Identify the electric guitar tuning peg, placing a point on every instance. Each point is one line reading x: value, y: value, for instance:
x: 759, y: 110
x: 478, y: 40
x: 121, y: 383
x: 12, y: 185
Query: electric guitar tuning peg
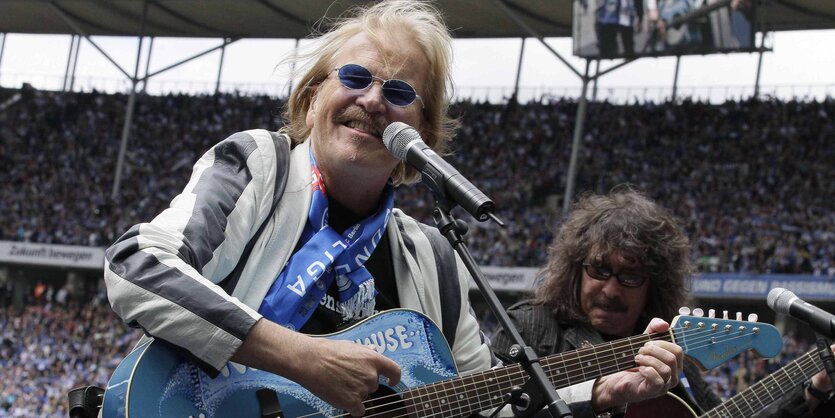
x: 684, y: 311
x: 698, y: 312
x: 739, y: 316
x: 753, y: 317
x: 725, y: 315
x: 711, y: 313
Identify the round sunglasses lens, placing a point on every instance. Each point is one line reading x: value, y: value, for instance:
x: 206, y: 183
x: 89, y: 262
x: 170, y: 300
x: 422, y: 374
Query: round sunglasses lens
x: 354, y: 76
x: 596, y: 273
x: 399, y: 92
x: 631, y: 280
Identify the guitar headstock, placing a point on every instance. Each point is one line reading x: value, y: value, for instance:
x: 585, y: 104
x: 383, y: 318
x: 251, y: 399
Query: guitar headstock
x: 712, y: 341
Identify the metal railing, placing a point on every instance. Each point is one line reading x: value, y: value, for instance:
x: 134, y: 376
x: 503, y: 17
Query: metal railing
x: 493, y: 94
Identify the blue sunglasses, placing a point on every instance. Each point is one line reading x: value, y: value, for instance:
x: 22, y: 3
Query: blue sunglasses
x: 396, y: 92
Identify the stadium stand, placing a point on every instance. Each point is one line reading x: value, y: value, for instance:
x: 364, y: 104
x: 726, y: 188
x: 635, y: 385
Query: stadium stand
x: 750, y: 179
x: 53, y: 344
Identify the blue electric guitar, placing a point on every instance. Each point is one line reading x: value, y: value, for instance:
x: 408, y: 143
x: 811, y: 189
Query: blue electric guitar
x: 156, y: 380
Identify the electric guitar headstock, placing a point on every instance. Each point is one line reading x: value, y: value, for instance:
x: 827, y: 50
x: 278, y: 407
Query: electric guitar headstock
x: 711, y: 341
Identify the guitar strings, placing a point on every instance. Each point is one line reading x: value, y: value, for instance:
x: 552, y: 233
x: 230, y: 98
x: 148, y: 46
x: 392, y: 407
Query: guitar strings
x: 694, y: 339
x: 519, y: 373
x: 807, y: 365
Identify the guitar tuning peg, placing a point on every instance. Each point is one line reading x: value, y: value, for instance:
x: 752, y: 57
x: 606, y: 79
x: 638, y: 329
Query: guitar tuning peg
x: 724, y: 314
x: 698, y: 312
x: 739, y: 316
x: 684, y: 310
x: 711, y: 313
x: 752, y: 317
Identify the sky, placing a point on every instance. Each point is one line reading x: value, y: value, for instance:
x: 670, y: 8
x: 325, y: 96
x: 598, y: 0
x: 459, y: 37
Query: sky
x: 802, y: 63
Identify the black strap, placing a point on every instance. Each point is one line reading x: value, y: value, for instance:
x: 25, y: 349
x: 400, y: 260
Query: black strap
x: 282, y: 162
x: 817, y: 393
x: 450, y: 292
x: 85, y: 401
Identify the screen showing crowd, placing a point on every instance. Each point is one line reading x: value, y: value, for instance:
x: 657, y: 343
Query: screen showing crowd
x: 606, y: 29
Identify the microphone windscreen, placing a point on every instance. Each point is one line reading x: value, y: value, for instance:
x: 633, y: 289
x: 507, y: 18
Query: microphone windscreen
x: 397, y: 136
x: 780, y: 299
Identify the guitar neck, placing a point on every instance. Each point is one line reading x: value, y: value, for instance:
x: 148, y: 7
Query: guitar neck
x: 485, y: 390
x: 769, y: 389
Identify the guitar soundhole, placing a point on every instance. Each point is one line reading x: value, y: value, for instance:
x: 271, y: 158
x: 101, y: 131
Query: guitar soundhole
x: 384, y: 403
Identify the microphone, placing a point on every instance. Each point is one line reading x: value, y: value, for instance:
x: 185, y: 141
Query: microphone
x: 786, y: 302
x: 404, y: 142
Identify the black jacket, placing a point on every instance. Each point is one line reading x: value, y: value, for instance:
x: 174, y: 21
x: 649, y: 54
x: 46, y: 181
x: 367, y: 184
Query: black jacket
x: 546, y: 335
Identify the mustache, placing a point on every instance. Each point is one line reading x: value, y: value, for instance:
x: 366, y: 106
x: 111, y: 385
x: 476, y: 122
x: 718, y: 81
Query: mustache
x: 609, y: 305
x: 357, y: 113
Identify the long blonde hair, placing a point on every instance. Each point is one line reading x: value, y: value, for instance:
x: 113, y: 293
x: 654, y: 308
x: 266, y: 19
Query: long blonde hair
x: 424, y: 25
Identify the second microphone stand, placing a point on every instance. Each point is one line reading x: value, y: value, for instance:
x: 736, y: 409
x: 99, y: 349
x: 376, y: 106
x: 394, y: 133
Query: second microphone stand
x: 453, y: 230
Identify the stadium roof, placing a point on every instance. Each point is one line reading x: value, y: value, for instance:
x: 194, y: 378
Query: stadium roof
x: 296, y: 18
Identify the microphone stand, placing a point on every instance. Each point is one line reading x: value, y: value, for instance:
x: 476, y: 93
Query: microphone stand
x: 453, y: 229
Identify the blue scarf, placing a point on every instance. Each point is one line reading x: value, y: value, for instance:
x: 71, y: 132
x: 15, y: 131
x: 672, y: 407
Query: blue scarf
x: 324, y: 257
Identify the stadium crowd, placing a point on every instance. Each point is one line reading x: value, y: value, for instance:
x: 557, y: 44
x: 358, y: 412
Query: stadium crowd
x: 751, y: 180
x: 54, y: 343
x: 57, y: 342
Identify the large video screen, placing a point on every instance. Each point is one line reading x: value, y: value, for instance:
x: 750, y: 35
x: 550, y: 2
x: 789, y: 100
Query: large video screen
x: 605, y: 29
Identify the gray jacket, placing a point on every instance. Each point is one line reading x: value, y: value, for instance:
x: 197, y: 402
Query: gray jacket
x: 166, y: 275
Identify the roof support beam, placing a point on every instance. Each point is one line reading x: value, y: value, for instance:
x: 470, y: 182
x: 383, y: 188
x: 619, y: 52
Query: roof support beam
x: 579, y: 122
x: 72, y: 63
x: 2, y: 47
x: 69, y: 21
x: 226, y: 41
x: 759, y: 66
x: 129, y: 111
x: 536, y: 35
x: 147, y: 64
x: 675, y: 80
x: 220, y: 66
x: 134, y: 79
x: 518, y: 71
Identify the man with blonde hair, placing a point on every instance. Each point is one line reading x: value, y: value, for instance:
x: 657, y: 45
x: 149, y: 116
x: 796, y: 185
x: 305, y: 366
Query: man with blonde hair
x: 279, y: 235
x: 190, y: 276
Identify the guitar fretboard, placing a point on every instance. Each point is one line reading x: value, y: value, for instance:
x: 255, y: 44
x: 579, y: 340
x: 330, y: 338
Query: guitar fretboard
x: 769, y: 389
x: 485, y: 390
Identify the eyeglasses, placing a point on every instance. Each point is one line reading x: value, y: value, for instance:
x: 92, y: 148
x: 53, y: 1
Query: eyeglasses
x: 626, y: 279
x: 396, y: 92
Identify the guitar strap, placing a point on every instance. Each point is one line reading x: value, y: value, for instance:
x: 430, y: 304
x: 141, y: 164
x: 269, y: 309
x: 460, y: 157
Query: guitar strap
x: 450, y: 292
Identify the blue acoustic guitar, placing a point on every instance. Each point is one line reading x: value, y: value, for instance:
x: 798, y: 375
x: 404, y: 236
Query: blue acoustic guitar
x: 156, y: 380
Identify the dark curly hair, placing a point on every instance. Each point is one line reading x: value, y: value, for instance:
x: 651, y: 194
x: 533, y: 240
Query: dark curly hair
x: 627, y: 222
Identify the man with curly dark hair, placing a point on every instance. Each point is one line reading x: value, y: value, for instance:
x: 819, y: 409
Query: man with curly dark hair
x: 617, y: 261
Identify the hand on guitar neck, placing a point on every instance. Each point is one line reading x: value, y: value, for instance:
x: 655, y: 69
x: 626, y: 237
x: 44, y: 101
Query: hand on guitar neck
x: 659, y: 364
x: 821, y: 383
